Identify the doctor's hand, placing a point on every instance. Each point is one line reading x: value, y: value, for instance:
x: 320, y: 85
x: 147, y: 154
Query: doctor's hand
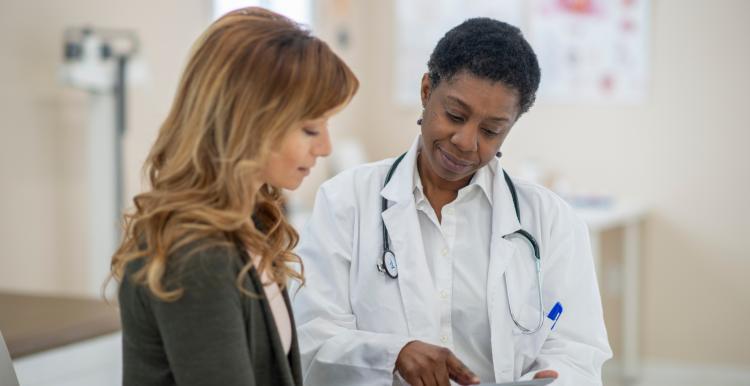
x: 423, y: 364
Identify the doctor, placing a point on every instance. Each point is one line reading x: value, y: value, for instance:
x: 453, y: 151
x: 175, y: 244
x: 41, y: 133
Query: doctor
x: 428, y: 267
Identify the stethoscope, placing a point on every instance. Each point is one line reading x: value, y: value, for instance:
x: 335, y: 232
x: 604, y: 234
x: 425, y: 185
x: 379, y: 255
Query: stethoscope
x: 389, y: 266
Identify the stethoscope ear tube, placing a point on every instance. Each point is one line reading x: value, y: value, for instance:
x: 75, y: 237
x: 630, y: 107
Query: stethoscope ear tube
x: 538, y: 265
x: 531, y: 240
x: 524, y: 330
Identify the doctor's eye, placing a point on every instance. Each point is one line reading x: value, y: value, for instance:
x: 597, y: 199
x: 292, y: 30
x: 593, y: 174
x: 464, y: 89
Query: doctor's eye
x: 454, y: 118
x: 491, y: 133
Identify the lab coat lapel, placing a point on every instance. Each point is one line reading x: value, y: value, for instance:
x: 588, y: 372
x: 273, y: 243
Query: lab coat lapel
x: 504, y: 222
x: 414, y: 278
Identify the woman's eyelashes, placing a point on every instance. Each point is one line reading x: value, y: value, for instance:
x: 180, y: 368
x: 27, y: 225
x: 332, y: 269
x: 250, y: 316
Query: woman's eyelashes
x: 311, y: 131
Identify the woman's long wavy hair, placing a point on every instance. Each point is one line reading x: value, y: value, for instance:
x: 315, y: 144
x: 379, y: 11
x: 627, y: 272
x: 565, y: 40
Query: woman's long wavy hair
x: 251, y: 77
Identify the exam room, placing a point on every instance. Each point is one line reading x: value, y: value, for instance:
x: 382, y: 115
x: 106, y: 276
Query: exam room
x: 641, y: 129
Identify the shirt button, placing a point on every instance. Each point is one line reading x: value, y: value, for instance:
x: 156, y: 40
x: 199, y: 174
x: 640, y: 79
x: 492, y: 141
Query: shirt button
x: 444, y: 339
x: 444, y: 252
x: 444, y: 294
x: 449, y: 210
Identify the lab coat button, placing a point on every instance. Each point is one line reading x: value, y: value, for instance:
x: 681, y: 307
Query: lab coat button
x: 444, y: 294
x: 444, y: 251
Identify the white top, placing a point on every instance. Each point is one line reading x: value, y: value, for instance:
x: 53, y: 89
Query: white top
x: 278, y: 307
x: 353, y: 320
x: 458, y: 254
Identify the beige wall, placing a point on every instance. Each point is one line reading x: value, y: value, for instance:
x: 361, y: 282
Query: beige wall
x: 682, y: 151
x: 43, y: 236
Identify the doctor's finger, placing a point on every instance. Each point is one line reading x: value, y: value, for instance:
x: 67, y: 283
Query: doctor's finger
x: 415, y: 382
x: 442, y: 378
x: 428, y: 380
x: 546, y: 374
x: 460, y: 373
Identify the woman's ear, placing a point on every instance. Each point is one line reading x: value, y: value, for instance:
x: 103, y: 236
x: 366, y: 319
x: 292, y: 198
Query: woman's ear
x: 425, y: 89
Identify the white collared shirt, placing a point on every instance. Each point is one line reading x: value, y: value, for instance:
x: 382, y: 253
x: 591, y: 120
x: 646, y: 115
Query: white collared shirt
x: 458, y: 253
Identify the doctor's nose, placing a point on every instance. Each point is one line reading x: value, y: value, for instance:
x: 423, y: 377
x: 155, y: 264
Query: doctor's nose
x: 465, y: 139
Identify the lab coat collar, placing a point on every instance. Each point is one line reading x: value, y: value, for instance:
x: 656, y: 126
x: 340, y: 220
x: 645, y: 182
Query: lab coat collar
x: 484, y: 178
x: 401, y: 186
x: 504, y: 220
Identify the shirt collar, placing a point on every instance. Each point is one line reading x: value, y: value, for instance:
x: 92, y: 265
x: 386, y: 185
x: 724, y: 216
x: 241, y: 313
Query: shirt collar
x: 483, y: 178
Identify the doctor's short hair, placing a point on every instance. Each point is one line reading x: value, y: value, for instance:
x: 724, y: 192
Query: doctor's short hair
x: 489, y: 49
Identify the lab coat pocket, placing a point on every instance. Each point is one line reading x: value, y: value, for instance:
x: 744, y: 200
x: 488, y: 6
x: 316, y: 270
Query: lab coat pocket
x: 528, y: 346
x: 528, y: 317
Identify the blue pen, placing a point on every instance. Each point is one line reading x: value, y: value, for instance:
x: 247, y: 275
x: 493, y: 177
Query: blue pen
x: 554, y: 314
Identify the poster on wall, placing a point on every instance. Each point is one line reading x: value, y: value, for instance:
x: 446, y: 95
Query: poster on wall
x: 591, y: 51
x: 421, y: 24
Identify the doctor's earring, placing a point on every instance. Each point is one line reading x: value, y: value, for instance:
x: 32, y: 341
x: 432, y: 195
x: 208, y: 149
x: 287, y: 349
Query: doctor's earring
x: 419, y: 121
x: 499, y: 154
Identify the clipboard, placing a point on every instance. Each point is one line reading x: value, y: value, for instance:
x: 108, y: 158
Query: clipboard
x: 533, y: 382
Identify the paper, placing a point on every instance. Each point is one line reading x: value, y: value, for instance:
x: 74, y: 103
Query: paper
x: 592, y: 50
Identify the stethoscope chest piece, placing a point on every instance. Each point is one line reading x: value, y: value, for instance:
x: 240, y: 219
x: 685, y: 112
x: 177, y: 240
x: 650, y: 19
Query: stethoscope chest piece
x: 391, y: 266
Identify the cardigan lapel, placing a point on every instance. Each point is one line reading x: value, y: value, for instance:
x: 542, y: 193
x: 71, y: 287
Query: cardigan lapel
x: 280, y: 357
x: 294, y: 356
x: 290, y: 366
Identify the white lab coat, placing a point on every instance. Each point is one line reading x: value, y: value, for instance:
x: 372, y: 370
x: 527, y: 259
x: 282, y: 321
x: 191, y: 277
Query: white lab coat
x: 353, y: 320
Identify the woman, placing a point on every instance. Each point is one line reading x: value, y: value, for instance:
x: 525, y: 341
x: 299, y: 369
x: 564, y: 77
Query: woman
x: 206, y: 256
x: 423, y: 268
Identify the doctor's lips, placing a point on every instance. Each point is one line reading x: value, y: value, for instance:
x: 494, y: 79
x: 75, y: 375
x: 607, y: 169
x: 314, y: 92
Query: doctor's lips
x: 453, y: 163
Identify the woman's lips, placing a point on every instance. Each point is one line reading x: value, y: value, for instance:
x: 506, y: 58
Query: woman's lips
x: 453, y: 164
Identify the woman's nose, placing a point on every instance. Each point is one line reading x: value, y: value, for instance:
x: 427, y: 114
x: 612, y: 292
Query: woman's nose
x: 323, y: 148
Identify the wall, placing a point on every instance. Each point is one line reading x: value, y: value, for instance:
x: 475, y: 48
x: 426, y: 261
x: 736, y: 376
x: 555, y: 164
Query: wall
x: 43, y: 240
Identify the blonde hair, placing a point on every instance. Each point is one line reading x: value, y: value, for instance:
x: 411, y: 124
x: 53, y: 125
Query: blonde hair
x: 250, y: 78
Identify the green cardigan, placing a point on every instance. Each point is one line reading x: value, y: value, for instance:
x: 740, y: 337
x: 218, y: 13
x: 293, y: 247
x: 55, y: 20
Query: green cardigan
x: 212, y: 335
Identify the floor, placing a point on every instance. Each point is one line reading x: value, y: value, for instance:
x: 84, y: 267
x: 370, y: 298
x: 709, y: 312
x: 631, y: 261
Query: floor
x: 679, y: 374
